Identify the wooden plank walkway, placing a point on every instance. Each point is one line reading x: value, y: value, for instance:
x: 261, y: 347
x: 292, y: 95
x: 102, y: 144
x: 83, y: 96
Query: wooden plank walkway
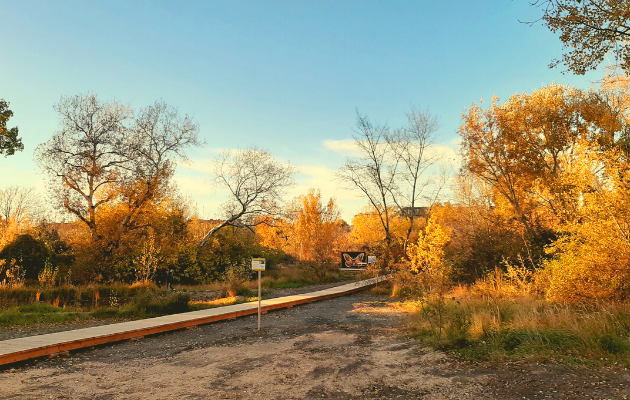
x: 21, y: 349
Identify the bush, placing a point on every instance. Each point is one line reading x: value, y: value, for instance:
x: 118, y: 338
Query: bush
x: 30, y: 253
x: 150, y: 304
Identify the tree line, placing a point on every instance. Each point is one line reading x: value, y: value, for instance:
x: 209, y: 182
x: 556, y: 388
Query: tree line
x: 543, y: 190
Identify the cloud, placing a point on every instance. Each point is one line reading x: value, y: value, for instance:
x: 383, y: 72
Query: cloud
x: 322, y: 178
x: 445, y: 153
x: 344, y: 146
x: 448, y: 151
x: 194, y: 179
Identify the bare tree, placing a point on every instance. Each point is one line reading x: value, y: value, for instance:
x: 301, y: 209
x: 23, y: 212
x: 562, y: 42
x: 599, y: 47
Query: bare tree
x: 158, y: 136
x: 256, y: 182
x: 16, y: 203
x: 410, y: 145
x: 374, y: 172
x: 390, y: 170
x: 84, y: 157
x: 101, y: 155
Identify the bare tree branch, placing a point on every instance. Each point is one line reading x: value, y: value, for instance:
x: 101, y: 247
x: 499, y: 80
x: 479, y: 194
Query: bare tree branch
x: 257, y: 184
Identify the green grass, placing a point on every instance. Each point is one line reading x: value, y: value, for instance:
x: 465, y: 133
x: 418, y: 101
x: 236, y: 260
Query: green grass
x: 37, y: 314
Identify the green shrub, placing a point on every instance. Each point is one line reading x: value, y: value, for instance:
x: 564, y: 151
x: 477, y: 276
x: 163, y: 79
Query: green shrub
x: 614, y: 344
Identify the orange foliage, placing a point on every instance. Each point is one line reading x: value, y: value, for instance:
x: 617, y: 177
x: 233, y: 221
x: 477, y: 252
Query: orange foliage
x: 367, y: 230
x: 311, y: 231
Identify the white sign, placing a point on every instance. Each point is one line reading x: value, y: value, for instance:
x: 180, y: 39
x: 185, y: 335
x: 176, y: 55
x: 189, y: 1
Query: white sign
x: 258, y: 264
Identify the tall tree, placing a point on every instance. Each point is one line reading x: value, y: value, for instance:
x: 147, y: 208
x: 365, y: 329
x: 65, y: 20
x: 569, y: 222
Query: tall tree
x: 522, y: 147
x: 374, y: 173
x: 411, y: 145
x: 591, y: 29
x: 102, y: 155
x: 390, y: 170
x: 316, y: 227
x: 158, y: 136
x: 256, y: 183
x: 9, y: 141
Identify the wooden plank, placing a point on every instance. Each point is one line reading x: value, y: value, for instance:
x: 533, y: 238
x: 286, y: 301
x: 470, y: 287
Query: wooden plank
x: 21, y: 349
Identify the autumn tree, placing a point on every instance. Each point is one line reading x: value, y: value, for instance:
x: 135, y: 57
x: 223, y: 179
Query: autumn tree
x: 482, y: 238
x: 166, y: 224
x: 158, y: 137
x: 9, y: 140
x: 256, y: 183
x: 521, y: 147
x: 591, y: 259
x: 367, y: 232
x: 311, y: 230
x: 591, y: 29
x: 102, y: 155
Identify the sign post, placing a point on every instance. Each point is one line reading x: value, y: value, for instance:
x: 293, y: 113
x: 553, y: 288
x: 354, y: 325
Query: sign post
x: 258, y: 264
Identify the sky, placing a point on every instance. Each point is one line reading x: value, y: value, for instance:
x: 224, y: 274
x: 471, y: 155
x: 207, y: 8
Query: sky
x: 285, y: 76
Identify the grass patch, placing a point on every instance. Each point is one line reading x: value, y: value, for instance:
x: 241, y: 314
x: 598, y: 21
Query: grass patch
x: 144, y: 305
x: 526, y: 328
x: 36, y: 305
x: 298, y: 276
x: 38, y: 314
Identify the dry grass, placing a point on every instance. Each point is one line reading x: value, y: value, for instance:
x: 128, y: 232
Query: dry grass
x: 482, y: 327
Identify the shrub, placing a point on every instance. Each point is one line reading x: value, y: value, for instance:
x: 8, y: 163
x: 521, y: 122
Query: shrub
x: 30, y: 253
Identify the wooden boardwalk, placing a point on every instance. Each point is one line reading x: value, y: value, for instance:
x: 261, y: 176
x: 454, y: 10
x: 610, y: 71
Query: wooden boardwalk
x: 21, y: 349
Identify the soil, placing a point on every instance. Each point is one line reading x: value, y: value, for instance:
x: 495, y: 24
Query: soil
x: 349, y: 347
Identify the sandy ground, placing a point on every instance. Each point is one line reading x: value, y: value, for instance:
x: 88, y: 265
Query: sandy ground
x: 343, y: 348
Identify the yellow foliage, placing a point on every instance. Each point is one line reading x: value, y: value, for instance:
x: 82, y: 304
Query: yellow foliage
x: 147, y: 261
x: 515, y: 281
x: 427, y: 259
x: 367, y: 229
x: 48, y: 275
x: 591, y: 259
x: 312, y: 231
x: 428, y: 254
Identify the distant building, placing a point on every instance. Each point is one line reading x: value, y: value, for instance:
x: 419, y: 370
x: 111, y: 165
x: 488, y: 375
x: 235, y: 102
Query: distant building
x: 421, y: 212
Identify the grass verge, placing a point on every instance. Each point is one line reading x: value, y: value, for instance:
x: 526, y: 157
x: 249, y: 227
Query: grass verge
x: 145, y: 305
x: 525, y: 328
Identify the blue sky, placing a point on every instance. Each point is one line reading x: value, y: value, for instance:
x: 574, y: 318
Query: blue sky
x: 287, y: 76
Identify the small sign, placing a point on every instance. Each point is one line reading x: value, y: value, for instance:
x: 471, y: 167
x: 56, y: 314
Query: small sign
x: 258, y: 264
x: 371, y: 260
x: 353, y: 259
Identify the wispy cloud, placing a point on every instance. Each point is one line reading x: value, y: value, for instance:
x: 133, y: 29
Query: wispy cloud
x: 194, y: 179
x: 346, y: 146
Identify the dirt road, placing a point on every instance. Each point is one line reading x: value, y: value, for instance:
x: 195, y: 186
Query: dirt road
x: 343, y: 348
